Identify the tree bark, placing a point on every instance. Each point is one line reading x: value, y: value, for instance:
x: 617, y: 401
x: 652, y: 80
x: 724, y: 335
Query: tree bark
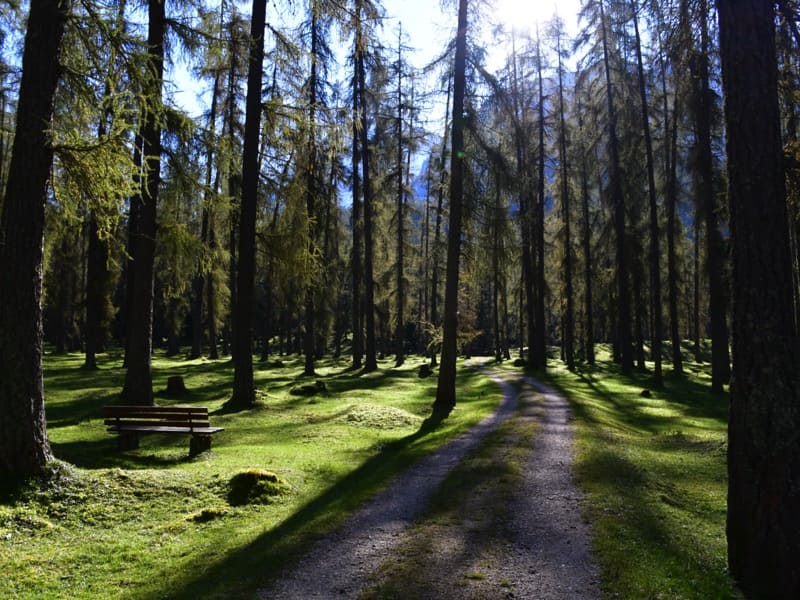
x: 244, y: 393
x: 97, y: 293
x: 370, y: 359
x: 24, y: 448
x: 199, y: 282
x: 526, y: 208
x: 654, y: 252
x: 586, y: 243
x: 446, y: 385
x: 138, y: 377
x: 401, y: 197
x: 569, y: 309
x: 312, y: 189
x: 715, y: 263
x: 356, y: 221
x: 539, y: 347
x: 671, y: 152
x: 98, y: 277
x: 618, y: 202
x: 764, y: 427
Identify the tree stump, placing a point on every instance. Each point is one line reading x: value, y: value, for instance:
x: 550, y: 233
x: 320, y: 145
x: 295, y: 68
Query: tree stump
x: 176, y: 386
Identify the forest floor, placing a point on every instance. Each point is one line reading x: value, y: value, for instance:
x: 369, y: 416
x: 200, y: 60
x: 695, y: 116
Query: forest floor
x: 495, y: 513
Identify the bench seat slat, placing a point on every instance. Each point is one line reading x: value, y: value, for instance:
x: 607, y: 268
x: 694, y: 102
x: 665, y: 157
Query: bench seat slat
x: 156, y: 422
x: 159, y: 417
x: 124, y: 411
x: 163, y: 429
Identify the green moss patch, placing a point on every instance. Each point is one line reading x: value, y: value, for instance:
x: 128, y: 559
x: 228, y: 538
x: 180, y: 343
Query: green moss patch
x: 207, y: 514
x: 256, y: 486
x: 377, y: 416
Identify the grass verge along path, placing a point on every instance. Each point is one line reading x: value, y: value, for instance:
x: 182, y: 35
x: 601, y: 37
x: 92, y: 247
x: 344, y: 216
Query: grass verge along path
x: 154, y: 523
x: 653, y: 465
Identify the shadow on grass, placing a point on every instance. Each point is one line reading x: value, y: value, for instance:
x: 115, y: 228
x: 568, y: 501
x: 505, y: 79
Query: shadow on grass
x: 164, y: 451
x: 259, y: 562
x: 665, y: 517
x: 683, y: 394
x: 654, y: 468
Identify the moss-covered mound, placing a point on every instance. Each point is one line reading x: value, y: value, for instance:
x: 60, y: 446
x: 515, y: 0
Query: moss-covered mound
x: 255, y: 486
x: 376, y: 416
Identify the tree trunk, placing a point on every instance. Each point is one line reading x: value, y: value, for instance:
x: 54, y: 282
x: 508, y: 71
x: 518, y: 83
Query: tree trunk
x: 526, y: 206
x: 134, y: 204
x: 211, y: 287
x: 401, y: 300
x: 370, y: 360
x: 539, y: 350
x: 715, y: 265
x: 764, y: 427
x: 356, y: 221
x: 698, y: 356
x: 98, y: 277
x: 199, y: 282
x: 437, y: 231
x: 244, y: 394
x: 654, y: 253
x: 671, y: 152
x: 587, y: 249
x: 569, y: 310
x: 446, y: 385
x: 618, y: 202
x: 312, y: 189
x: 138, y: 377
x: 97, y: 293
x: 24, y: 449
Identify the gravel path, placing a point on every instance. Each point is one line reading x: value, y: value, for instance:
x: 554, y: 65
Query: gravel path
x: 548, y: 555
x: 545, y: 555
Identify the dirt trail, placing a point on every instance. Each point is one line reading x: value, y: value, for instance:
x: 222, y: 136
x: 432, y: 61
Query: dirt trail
x: 541, y: 552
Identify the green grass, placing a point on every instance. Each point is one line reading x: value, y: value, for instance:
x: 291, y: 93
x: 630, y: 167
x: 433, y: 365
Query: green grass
x: 154, y: 523
x: 654, y: 470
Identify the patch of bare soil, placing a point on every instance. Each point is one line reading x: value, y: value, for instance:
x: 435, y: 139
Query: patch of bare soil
x: 517, y: 534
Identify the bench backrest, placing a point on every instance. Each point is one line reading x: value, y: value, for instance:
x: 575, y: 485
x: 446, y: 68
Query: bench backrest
x: 174, y: 416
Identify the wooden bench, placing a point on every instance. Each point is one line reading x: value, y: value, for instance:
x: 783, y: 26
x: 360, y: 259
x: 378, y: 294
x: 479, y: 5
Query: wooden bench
x: 129, y: 422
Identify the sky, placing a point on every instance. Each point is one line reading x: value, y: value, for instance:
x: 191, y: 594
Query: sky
x: 428, y: 26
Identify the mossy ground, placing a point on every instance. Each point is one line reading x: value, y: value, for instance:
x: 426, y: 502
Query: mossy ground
x: 154, y: 523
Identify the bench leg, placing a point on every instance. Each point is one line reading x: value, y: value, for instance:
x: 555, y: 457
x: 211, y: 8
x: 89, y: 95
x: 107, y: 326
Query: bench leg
x: 128, y: 441
x: 198, y: 444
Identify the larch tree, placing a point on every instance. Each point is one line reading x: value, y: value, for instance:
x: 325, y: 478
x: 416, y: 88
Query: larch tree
x: 436, y: 251
x: 446, y: 385
x: 709, y: 207
x: 138, y: 377
x: 764, y: 427
x: 370, y: 352
x: 525, y: 194
x: 568, y: 333
x: 623, y: 337
x: 244, y: 393
x: 654, y: 251
x: 99, y: 310
x: 538, y: 350
x: 24, y: 448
